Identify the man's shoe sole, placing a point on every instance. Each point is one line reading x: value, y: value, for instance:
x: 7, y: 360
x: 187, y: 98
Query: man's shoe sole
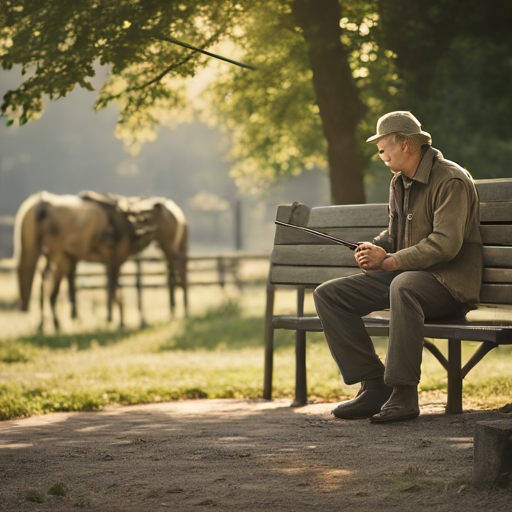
x: 392, y: 419
x: 361, y: 417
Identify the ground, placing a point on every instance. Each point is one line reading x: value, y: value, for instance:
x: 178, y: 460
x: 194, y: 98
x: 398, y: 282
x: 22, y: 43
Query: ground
x: 242, y: 455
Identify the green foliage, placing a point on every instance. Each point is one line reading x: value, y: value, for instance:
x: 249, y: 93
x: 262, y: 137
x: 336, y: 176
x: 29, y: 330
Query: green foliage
x: 57, y: 44
x: 272, y: 115
x: 77, y: 341
x: 494, y: 387
x: 455, y: 73
x: 15, y: 352
x: 19, y: 400
x: 215, y: 355
x: 8, y: 304
x: 451, y: 70
x: 224, y: 327
x: 272, y: 112
x: 33, y: 495
x: 57, y: 490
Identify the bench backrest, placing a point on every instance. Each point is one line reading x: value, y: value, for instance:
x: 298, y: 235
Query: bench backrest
x: 300, y: 258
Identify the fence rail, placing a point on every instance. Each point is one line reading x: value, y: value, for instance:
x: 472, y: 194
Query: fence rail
x: 223, y: 265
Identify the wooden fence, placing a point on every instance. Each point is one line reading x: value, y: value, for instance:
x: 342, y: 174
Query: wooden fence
x: 225, y: 267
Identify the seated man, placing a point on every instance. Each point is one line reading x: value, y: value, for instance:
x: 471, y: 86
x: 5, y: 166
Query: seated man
x: 433, y: 269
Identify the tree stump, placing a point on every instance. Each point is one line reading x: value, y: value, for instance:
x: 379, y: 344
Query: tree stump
x: 492, y: 465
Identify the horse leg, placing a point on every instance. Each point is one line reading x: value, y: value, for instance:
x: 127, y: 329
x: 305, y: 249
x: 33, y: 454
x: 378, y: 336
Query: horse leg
x: 114, y: 292
x: 63, y: 266
x: 72, y: 290
x: 44, y: 275
x: 139, y: 294
x: 171, y: 281
x: 57, y: 277
x: 119, y: 300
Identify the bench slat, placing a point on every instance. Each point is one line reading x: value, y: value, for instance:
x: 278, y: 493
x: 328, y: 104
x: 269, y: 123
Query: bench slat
x: 289, y: 236
x: 317, y: 255
x: 496, y: 235
x: 351, y: 215
x: 499, y: 189
x: 496, y: 293
x: 309, y: 275
x: 496, y: 212
x: 358, y: 215
x: 497, y: 275
x: 498, y: 257
x: 339, y: 256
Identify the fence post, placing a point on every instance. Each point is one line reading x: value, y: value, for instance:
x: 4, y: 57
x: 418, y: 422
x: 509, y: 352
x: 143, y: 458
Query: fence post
x: 222, y: 271
x: 238, y: 224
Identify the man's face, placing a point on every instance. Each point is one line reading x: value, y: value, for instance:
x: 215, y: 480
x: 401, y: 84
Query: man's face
x: 392, y: 153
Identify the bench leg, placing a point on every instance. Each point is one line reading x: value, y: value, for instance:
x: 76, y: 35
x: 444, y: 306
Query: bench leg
x: 454, y: 402
x: 269, y: 344
x: 301, y: 389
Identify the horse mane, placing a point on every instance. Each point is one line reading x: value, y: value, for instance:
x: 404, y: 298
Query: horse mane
x: 18, y: 222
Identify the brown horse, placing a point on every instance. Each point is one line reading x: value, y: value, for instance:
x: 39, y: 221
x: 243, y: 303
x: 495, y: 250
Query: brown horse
x: 94, y: 227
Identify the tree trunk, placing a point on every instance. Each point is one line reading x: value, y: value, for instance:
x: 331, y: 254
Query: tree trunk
x: 341, y: 109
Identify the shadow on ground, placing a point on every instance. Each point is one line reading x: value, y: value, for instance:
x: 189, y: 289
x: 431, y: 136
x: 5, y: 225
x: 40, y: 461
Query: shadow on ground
x: 240, y: 455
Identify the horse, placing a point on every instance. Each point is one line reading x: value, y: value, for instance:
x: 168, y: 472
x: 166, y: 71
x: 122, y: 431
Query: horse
x: 99, y: 228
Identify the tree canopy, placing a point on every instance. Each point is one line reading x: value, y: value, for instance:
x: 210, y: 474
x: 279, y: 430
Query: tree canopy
x: 324, y: 73
x: 454, y: 62
x: 300, y: 108
x: 58, y: 42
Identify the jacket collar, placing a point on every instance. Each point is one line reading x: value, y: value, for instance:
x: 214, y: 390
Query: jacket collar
x: 422, y: 173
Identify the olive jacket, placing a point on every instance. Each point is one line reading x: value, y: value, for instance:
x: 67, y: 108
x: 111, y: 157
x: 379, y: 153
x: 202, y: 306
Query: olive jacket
x: 434, y: 225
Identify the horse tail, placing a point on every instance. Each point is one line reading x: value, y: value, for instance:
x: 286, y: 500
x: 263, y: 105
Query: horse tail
x: 26, y: 245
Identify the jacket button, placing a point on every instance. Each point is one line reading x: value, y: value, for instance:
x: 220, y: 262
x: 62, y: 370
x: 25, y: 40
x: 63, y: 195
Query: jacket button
x: 409, y: 216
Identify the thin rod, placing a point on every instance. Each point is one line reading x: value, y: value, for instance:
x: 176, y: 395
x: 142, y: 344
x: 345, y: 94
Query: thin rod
x: 350, y: 245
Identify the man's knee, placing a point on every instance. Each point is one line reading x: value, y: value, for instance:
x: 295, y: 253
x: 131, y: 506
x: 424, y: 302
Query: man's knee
x: 402, y: 283
x: 405, y: 289
x: 338, y: 294
x: 322, y: 293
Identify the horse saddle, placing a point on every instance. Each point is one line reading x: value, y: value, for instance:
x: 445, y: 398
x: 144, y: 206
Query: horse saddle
x: 103, y: 199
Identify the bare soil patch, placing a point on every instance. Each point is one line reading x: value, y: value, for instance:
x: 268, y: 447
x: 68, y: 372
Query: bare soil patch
x: 242, y: 455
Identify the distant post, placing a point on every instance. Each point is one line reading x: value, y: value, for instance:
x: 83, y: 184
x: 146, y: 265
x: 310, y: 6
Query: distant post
x: 237, y: 212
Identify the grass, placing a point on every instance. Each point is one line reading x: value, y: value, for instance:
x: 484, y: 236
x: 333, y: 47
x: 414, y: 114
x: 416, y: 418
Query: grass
x: 218, y: 354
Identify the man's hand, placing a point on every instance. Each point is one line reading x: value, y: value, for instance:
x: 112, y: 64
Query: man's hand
x: 372, y: 257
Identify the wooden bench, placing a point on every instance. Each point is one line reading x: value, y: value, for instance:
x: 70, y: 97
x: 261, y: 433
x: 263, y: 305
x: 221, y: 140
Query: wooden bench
x: 305, y: 261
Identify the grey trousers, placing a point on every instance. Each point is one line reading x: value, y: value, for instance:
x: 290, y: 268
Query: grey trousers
x: 410, y: 296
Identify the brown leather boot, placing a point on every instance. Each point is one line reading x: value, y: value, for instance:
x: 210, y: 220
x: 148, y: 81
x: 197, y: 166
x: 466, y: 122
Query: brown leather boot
x: 403, y: 405
x: 368, y: 401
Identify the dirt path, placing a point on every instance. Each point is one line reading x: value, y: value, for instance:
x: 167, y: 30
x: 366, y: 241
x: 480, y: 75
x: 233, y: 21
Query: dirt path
x: 242, y: 455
